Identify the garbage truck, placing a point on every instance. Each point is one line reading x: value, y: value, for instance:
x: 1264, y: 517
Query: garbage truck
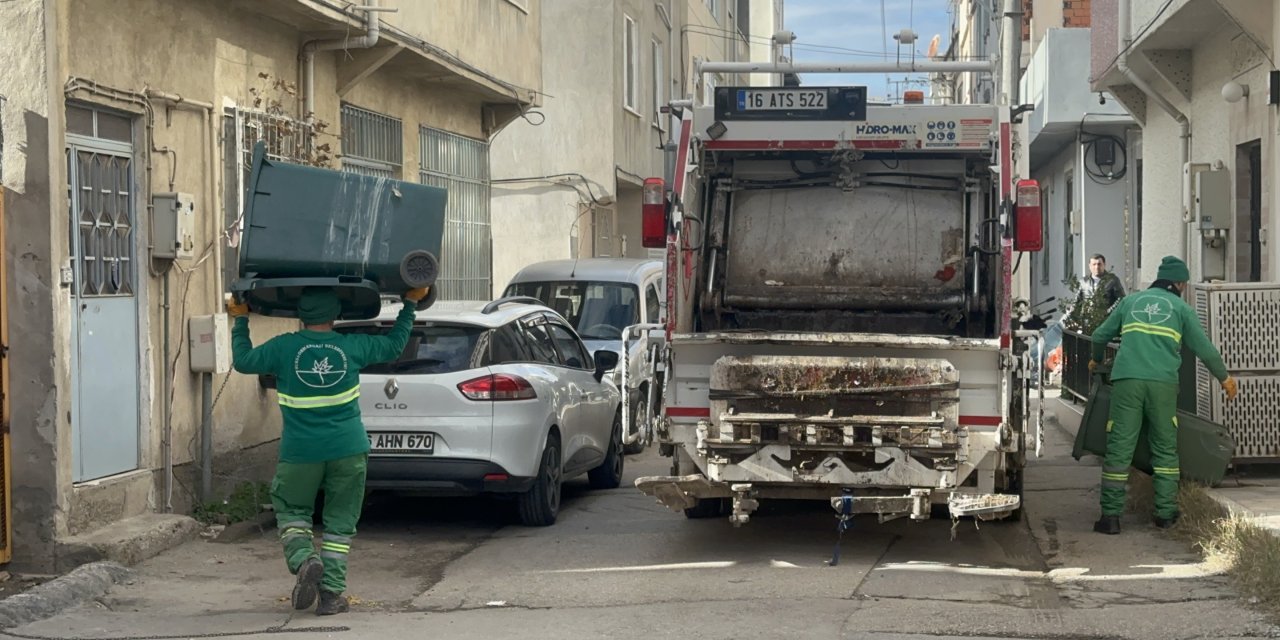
x: 839, y: 322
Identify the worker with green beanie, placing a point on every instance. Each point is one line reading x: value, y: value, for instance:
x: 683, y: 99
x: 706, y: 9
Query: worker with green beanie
x: 1152, y: 325
x: 323, y: 445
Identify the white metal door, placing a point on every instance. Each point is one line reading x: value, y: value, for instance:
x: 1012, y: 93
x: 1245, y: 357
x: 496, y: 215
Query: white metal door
x: 104, y: 383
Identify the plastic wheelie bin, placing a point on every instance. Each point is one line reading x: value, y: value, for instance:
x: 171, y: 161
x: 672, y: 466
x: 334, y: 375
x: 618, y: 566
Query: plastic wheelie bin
x: 364, y: 236
x: 1205, y: 449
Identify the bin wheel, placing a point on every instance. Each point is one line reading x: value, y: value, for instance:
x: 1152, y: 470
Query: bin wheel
x: 426, y: 302
x: 419, y: 269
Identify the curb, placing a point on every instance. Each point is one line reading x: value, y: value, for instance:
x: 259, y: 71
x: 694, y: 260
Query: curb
x: 87, y: 582
x: 1232, y: 507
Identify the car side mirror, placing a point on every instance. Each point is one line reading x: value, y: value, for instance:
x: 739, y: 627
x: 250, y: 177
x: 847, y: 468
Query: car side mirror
x: 267, y: 382
x: 605, y: 361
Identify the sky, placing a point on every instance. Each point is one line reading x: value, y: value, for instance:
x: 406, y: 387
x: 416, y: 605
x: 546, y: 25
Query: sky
x: 857, y: 25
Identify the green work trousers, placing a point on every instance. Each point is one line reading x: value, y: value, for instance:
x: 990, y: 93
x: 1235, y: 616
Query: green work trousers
x: 293, y: 493
x: 1132, y: 403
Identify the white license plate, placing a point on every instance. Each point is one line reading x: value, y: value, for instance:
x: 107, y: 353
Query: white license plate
x: 402, y: 442
x: 790, y: 99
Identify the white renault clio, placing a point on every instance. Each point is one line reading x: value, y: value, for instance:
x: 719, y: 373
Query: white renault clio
x: 499, y: 397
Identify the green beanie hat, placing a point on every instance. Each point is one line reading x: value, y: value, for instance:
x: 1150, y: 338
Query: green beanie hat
x: 318, y: 305
x: 1173, y: 269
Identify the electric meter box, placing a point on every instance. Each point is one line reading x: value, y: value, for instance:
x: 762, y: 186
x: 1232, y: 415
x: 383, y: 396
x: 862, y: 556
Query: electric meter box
x: 173, y: 219
x: 210, y: 343
x: 363, y: 236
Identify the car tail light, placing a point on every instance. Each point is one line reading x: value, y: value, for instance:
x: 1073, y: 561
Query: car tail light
x: 498, y: 387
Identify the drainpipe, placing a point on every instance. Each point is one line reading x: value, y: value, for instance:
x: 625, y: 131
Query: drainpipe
x: 372, y: 31
x: 1184, y: 123
x: 1011, y: 53
x: 175, y: 101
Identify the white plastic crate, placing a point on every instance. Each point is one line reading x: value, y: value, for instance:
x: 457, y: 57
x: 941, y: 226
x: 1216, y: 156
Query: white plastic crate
x: 1243, y: 321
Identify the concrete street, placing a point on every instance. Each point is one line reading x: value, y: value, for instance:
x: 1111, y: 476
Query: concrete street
x: 619, y: 566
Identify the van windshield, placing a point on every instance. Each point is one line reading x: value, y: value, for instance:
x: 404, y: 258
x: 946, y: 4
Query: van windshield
x: 598, y: 310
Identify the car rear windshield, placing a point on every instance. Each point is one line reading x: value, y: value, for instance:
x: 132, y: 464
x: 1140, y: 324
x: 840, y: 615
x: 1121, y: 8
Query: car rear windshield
x: 433, y: 348
x: 598, y: 310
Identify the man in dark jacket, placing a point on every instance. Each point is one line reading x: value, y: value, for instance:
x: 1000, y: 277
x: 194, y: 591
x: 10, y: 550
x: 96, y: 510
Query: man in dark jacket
x: 1101, y: 282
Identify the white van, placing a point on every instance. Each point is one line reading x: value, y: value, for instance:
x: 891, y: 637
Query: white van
x: 609, y: 301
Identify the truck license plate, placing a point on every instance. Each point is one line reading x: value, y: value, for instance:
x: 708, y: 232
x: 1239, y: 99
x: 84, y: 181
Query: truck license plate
x: 402, y: 442
x: 781, y: 99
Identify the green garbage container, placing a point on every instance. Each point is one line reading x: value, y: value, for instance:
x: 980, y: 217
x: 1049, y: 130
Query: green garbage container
x: 364, y: 236
x: 1205, y: 449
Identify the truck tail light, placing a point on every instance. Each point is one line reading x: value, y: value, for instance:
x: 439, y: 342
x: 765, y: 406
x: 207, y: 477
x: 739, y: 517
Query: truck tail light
x: 653, y: 233
x: 1028, y: 218
x: 497, y: 387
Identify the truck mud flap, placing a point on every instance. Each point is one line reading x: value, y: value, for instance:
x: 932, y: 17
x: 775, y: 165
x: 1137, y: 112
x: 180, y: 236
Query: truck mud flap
x: 681, y: 492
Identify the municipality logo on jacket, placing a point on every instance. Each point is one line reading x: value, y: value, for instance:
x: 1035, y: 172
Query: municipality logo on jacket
x: 1156, y: 311
x: 320, y: 365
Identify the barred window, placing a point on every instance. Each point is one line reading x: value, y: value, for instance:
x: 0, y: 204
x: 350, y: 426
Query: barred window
x: 372, y: 143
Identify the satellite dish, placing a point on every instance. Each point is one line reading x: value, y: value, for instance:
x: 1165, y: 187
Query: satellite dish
x: 933, y: 46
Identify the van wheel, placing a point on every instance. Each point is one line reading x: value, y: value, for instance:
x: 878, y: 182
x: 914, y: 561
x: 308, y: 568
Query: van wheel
x: 540, y: 505
x: 609, y: 474
x: 639, y: 416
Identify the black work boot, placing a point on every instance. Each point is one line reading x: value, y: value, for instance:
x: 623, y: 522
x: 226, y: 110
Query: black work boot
x: 1167, y: 523
x: 332, y: 604
x: 308, y: 584
x: 1109, y: 525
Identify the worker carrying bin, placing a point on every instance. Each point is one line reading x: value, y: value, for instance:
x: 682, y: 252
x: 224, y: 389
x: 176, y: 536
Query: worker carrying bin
x: 364, y: 236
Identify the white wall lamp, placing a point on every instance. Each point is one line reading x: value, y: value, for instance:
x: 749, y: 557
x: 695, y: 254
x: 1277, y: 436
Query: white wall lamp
x: 1233, y: 91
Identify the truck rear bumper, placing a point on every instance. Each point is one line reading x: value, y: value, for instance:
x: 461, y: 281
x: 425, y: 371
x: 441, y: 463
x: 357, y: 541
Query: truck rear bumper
x: 684, y: 492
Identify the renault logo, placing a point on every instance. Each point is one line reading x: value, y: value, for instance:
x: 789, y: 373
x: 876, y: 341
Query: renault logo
x: 391, y: 389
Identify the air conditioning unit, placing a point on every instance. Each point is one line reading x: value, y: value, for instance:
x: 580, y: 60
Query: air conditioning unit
x: 1240, y: 319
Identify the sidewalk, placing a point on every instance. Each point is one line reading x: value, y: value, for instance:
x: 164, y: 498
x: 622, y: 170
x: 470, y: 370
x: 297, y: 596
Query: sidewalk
x: 1254, y: 493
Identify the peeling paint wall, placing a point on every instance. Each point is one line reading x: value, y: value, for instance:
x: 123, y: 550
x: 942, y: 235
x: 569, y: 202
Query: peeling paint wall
x: 40, y: 456
x: 205, y: 52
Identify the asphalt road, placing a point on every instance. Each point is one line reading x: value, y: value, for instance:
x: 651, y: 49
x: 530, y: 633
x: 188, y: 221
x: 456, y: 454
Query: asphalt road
x: 617, y: 565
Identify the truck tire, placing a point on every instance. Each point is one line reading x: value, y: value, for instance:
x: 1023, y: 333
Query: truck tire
x: 540, y: 505
x: 609, y: 474
x: 705, y: 507
x: 639, y: 412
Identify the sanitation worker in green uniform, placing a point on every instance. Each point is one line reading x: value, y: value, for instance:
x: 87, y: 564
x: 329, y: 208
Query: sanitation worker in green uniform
x: 324, y: 445
x: 1153, y: 325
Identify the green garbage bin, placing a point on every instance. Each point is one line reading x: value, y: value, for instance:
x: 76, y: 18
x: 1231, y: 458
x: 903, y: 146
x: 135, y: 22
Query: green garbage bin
x: 364, y: 236
x: 1205, y: 449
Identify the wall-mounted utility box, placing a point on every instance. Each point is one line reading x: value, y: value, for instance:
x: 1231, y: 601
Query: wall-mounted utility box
x: 210, y: 342
x: 173, y: 226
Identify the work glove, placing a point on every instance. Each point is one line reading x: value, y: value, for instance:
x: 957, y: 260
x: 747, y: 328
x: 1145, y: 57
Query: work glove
x: 236, y: 309
x: 1229, y: 385
x: 1093, y: 364
x: 416, y: 295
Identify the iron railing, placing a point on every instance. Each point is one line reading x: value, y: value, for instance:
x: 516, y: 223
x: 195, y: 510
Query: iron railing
x: 1076, y: 350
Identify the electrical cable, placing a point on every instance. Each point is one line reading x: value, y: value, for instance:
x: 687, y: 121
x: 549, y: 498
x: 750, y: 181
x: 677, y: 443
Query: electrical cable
x: 1095, y: 172
x: 1140, y: 33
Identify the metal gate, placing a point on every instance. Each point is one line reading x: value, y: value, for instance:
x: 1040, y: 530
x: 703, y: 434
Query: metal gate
x: 461, y: 165
x: 104, y: 361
